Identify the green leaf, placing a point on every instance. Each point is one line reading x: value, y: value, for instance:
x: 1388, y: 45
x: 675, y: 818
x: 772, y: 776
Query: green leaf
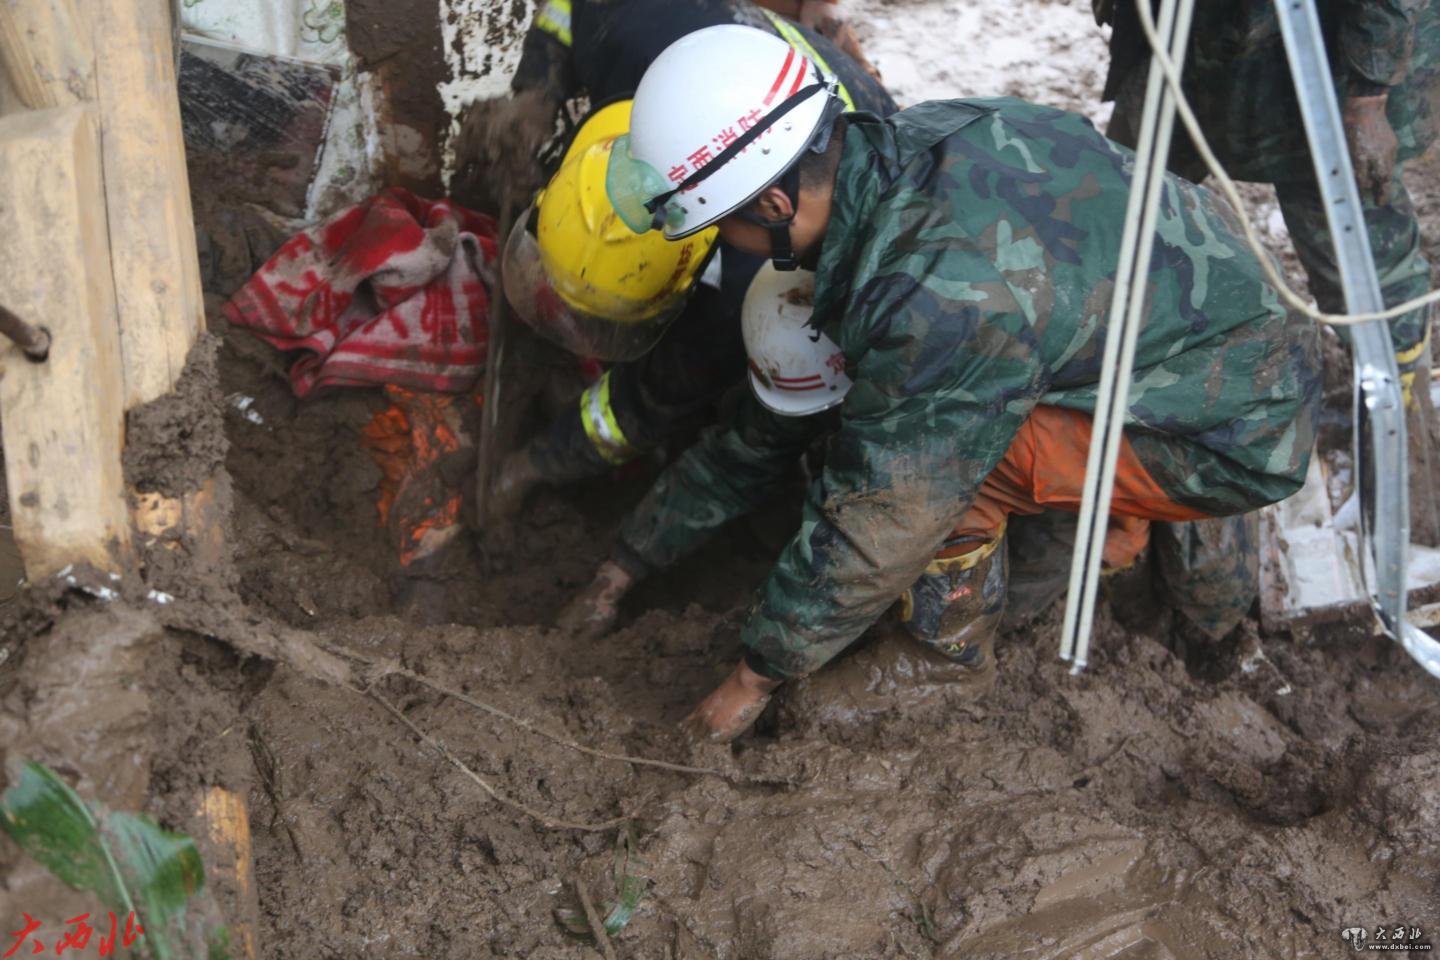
x: 630, y: 883
x: 126, y: 859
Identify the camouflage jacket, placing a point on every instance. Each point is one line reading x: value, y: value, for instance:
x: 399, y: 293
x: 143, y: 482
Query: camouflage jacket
x: 966, y: 271
x: 602, y: 47
x: 1238, y: 79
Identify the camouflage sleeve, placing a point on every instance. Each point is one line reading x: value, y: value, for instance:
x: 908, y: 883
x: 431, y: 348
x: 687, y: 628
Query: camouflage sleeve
x: 1376, y: 38
x: 729, y: 472
x: 935, y: 406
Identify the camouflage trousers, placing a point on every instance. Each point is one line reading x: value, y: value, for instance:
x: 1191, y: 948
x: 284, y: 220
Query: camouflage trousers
x: 1026, y: 508
x: 1394, y: 240
x: 1208, y: 570
x: 1393, y: 227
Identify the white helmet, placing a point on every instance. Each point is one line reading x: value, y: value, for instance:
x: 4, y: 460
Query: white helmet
x: 688, y: 160
x: 795, y: 370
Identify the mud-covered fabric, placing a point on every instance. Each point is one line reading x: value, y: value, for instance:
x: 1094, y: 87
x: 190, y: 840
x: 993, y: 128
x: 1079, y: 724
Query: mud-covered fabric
x: 1238, y: 80
x: 966, y: 268
x: 1209, y: 569
x: 612, y: 42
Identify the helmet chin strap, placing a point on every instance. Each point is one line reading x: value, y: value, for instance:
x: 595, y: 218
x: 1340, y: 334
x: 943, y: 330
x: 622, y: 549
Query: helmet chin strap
x: 782, y: 252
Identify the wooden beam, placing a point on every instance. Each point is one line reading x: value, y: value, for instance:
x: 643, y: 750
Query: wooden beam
x: 147, y: 194
x: 63, y: 419
x: 45, y: 53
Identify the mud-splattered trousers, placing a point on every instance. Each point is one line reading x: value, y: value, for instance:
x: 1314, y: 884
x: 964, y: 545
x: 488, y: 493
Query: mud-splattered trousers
x: 603, y: 49
x: 965, y: 273
x: 1239, y: 83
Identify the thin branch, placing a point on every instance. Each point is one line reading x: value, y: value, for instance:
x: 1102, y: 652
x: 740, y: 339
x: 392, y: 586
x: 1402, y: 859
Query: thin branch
x: 439, y: 748
x: 547, y: 734
x: 597, y: 926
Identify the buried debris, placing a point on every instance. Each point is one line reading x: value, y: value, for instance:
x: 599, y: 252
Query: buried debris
x: 631, y: 885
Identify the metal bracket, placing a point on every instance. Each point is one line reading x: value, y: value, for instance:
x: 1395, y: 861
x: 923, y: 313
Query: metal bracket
x: 1380, y: 462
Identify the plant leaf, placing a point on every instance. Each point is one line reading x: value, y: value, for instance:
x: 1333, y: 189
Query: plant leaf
x: 630, y: 883
x: 126, y: 859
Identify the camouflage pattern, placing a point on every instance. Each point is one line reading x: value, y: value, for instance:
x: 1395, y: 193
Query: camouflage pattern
x: 1208, y: 570
x: 1394, y: 242
x: 1238, y: 81
x: 966, y: 272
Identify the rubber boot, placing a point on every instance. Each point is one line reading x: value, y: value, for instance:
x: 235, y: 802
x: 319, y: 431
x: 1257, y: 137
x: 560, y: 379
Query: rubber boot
x: 956, y: 606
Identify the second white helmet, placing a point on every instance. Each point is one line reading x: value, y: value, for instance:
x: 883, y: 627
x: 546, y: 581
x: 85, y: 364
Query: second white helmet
x: 795, y: 370
x: 718, y: 117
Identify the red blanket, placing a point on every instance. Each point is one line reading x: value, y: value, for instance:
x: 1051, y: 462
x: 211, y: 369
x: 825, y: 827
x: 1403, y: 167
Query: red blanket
x: 393, y: 291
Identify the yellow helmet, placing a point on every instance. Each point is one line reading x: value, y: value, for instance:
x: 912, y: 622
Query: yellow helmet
x: 583, y: 279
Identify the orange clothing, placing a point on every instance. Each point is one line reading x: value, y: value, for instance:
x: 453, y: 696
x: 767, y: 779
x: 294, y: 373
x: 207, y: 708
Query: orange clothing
x: 1045, y: 469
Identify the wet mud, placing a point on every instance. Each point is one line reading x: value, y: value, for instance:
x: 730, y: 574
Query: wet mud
x: 1251, y: 797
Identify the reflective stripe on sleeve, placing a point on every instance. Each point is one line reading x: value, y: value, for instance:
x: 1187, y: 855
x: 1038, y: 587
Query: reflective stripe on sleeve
x: 796, y: 39
x: 554, y: 19
x: 600, y: 424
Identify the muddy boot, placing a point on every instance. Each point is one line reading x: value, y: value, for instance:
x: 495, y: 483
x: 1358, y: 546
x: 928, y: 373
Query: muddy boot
x: 956, y: 606
x: 1130, y: 592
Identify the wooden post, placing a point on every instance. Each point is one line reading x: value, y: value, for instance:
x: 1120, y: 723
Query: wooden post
x: 63, y: 420
x: 147, y: 194
x: 230, y: 862
x: 45, y: 53
x: 121, y: 56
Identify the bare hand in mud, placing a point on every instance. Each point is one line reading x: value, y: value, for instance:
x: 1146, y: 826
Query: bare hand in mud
x: 1372, y: 144
x: 732, y: 707
x: 591, y: 614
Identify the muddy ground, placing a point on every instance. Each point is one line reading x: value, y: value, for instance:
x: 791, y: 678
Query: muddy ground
x: 1247, y: 799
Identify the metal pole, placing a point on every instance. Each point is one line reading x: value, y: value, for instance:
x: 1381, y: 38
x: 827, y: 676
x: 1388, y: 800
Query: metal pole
x: 1379, y: 413
x: 1122, y: 332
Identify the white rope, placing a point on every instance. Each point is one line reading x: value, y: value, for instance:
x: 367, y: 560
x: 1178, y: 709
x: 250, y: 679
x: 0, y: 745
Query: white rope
x: 1232, y: 195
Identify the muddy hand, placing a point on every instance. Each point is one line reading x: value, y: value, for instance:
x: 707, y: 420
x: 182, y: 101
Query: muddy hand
x: 732, y: 707
x: 591, y: 614
x: 821, y: 16
x: 500, y: 137
x: 1372, y: 144
x: 517, y: 477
